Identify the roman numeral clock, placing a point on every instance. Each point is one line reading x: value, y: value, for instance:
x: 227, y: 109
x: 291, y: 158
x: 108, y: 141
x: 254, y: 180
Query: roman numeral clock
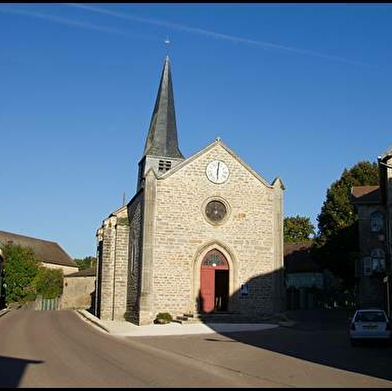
x: 217, y: 172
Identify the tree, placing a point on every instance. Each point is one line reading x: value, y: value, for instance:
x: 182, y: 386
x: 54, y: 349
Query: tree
x: 86, y: 262
x: 49, y: 283
x: 337, y: 237
x: 337, y: 211
x: 297, y: 229
x: 20, y: 269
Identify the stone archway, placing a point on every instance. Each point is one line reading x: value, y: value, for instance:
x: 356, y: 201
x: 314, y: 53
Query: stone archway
x: 227, y: 278
x: 214, y: 282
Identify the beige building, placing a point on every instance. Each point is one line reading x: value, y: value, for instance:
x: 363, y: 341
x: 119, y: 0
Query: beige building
x: 202, y: 234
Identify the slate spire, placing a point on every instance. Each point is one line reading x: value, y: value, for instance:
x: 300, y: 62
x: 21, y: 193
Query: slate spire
x: 162, y: 136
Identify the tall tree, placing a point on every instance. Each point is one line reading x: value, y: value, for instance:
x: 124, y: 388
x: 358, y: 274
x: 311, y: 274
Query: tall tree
x: 297, y: 229
x: 86, y: 262
x: 20, y: 269
x: 337, y: 237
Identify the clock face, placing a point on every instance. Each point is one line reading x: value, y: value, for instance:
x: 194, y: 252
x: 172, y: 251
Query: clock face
x: 217, y: 171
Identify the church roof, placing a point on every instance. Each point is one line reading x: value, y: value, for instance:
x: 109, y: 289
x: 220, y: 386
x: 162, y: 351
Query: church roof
x: 162, y: 136
x: 45, y: 251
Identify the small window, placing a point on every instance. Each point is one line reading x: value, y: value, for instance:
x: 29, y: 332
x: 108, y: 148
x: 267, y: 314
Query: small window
x: 132, y: 258
x: 367, y: 266
x: 378, y: 260
x: 376, y: 222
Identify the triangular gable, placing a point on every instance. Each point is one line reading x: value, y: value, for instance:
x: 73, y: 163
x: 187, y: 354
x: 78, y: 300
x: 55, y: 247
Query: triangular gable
x: 217, y: 142
x: 120, y: 212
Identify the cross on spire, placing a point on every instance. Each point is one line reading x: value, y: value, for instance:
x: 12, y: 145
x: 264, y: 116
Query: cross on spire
x: 167, y: 43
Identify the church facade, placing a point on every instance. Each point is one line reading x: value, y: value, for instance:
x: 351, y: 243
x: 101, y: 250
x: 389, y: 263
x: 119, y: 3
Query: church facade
x: 202, y: 234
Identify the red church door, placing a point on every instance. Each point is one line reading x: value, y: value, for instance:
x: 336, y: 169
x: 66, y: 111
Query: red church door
x: 214, y: 282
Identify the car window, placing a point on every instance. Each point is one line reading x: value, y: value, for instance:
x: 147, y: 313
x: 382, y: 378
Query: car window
x: 370, y: 316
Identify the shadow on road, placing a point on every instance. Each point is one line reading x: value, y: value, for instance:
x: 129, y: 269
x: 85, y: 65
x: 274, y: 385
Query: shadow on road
x: 12, y: 369
x: 321, y: 336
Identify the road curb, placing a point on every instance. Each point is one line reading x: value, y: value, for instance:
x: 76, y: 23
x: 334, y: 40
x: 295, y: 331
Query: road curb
x: 91, y: 318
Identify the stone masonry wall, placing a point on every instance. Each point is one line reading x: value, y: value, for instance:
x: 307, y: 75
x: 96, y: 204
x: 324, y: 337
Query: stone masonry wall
x: 106, y: 283
x: 181, y: 230
x: 113, y: 283
x: 121, y: 271
x: 134, y: 250
x: 77, y: 292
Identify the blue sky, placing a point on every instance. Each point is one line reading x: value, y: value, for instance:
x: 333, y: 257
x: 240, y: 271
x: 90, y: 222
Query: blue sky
x: 299, y: 92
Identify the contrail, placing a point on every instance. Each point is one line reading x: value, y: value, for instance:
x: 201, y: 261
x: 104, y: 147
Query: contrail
x: 216, y: 35
x: 69, y: 22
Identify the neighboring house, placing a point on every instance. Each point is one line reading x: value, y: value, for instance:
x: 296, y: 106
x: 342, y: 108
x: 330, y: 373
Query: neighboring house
x: 302, y: 274
x: 49, y: 253
x: 201, y: 234
x: 79, y: 290
x: 373, y: 205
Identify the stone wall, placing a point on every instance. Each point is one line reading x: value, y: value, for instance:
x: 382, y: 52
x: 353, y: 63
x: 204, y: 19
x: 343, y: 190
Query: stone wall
x: 113, y: 272
x: 134, y: 263
x: 66, y: 269
x: 251, y: 236
x: 78, y: 292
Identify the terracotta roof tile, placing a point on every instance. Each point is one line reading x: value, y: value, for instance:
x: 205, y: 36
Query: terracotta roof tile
x: 298, y: 258
x: 365, y: 194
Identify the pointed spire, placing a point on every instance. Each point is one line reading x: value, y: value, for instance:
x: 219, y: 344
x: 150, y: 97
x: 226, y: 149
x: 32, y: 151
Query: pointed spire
x: 162, y: 135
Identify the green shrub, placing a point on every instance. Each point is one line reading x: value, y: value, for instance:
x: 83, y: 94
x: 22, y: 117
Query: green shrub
x: 20, y: 269
x: 163, y: 317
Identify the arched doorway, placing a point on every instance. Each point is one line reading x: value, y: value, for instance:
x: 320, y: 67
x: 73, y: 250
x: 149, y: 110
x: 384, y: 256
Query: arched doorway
x: 214, y: 282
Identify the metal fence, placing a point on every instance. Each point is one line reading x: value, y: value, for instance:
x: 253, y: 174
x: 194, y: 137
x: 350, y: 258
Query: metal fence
x: 41, y: 304
x: 50, y: 304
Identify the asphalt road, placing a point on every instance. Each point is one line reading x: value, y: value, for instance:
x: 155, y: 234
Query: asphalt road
x: 315, y: 352
x: 60, y: 349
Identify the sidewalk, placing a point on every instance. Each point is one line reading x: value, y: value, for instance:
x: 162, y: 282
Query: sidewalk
x: 129, y: 329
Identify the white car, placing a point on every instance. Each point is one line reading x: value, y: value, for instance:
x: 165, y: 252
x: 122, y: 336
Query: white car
x: 370, y: 324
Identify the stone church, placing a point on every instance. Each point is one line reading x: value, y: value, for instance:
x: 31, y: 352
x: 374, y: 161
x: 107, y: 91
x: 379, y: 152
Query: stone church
x: 202, y: 234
